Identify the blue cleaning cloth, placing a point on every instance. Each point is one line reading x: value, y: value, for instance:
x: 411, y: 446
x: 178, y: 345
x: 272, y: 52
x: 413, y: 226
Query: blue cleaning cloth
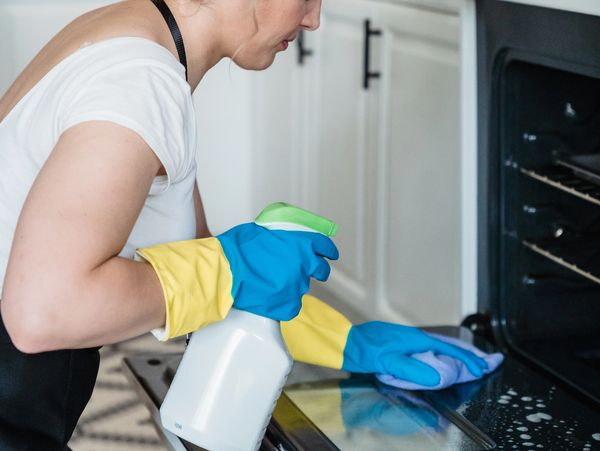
x: 452, y: 371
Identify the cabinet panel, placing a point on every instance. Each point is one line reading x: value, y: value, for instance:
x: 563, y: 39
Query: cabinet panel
x: 420, y: 168
x: 340, y: 167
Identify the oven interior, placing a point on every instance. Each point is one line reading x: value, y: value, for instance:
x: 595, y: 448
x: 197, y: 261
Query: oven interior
x: 549, y: 246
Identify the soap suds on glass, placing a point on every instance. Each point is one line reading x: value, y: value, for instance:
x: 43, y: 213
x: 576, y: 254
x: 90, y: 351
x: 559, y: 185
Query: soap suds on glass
x: 538, y: 417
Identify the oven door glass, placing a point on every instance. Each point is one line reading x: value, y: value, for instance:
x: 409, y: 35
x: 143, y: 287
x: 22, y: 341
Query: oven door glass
x: 359, y: 413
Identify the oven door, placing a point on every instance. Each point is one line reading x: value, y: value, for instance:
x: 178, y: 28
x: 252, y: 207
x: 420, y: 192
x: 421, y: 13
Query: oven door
x: 513, y: 408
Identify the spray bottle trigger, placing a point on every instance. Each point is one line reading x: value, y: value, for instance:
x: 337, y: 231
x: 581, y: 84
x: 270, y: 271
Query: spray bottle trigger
x: 283, y: 216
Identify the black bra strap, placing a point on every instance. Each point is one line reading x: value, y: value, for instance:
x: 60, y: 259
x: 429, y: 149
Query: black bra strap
x: 175, y: 31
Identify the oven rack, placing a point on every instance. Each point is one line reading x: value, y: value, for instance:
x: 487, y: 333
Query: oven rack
x: 564, y: 179
x: 578, y: 257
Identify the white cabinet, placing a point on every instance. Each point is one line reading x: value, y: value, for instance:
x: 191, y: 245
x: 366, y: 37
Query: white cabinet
x: 419, y: 169
x: 383, y: 162
x: 340, y: 152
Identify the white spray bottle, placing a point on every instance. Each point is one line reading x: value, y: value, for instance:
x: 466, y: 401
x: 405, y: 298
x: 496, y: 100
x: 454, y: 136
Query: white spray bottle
x: 232, y: 372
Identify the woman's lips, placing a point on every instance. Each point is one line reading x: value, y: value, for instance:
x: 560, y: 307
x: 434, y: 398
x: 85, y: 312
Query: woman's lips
x: 286, y: 42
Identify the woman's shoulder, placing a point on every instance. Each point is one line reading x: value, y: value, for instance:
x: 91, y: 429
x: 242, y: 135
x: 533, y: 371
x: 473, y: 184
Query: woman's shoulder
x: 131, y: 32
x: 122, y: 53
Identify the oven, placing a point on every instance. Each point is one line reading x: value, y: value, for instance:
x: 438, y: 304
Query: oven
x: 531, y: 234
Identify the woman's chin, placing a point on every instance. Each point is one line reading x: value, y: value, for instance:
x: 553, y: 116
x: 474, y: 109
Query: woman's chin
x: 255, y: 63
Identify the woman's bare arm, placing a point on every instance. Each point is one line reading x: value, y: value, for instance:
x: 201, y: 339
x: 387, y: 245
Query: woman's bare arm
x: 65, y: 285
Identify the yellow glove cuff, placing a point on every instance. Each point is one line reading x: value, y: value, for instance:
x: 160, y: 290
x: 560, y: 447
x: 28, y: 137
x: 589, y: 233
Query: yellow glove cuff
x: 318, y: 334
x: 196, y: 280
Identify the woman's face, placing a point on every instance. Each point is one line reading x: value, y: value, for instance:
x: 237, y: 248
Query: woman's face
x: 278, y: 22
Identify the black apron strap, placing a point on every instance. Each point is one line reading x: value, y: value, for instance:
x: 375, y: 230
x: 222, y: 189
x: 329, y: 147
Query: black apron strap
x: 175, y: 32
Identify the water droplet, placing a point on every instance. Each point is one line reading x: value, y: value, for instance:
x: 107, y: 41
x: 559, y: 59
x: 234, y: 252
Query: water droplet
x: 528, y: 408
x: 538, y: 417
x: 512, y: 392
x: 504, y: 397
x: 596, y: 436
x: 540, y: 405
x: 522, y: 429
x: 528, y: 444
x: 515, y: 405
x: 526, y: 398
x: 525, y: 436
x: 502, y: 401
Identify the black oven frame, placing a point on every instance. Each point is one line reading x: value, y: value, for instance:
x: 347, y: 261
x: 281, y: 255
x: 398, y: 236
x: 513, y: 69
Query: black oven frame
x: 506, y: 33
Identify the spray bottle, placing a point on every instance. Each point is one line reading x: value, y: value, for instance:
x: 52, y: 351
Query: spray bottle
x: 232, y: 372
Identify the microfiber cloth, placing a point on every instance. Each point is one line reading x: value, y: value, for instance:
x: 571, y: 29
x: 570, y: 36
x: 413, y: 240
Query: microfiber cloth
x: 451, y: 370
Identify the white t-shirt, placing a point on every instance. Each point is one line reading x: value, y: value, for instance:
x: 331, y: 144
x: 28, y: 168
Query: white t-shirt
x: 133, y: 82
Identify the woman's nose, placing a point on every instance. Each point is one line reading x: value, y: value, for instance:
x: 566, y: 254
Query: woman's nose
x: 312, y: 19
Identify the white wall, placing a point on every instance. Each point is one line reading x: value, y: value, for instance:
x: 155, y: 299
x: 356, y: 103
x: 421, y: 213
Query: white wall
x: 26, y: 25
x: 224, y: 145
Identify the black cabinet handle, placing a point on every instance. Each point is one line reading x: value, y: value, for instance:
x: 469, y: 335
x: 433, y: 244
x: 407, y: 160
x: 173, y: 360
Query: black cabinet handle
x: 303, y: 52
x: 367, y: 73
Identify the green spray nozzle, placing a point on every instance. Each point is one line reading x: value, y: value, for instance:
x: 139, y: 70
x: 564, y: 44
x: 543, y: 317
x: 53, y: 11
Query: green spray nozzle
x: 280, y: 215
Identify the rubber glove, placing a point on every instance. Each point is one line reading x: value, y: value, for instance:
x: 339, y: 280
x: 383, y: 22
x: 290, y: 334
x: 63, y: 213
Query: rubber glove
x: 272, y: 268
x: 385, y: 348
x: 452, y: 371
x: 321, y: 335
x: 255, y: 269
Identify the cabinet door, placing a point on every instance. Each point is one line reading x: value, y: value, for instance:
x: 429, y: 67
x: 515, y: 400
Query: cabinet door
x: 419, y: 167
x: 340, y: 150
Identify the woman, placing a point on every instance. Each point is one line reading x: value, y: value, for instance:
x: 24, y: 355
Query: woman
x: 97, y: 145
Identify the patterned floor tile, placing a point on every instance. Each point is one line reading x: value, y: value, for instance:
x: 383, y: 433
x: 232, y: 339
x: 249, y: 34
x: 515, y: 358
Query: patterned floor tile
x: 115, y: 419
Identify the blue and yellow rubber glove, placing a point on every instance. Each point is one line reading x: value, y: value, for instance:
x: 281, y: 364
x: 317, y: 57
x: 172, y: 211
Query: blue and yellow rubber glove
x: 322, y: 336
x: 249, y: 267
x: 272, y: 268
